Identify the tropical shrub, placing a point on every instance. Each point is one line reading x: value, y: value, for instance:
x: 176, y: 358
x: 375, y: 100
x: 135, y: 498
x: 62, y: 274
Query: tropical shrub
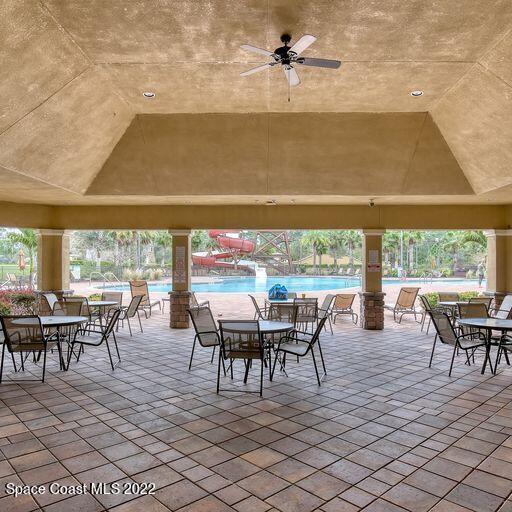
x: 17, y: 303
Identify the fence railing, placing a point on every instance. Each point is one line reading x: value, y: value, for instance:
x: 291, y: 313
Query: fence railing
x: 107, y: 277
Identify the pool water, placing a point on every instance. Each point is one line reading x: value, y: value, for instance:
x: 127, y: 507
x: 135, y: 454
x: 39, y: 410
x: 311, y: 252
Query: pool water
x: 292, y: 283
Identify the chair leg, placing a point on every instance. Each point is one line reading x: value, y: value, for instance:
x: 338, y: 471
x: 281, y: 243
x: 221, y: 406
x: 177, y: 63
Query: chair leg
x: 2, y: 362
x: 273, y: 367
x: 246, y: 371
x: 428, y: 324
x: 213, y: 355
x: 261, y: 378
x: 109, y: 355
x: 44, y: 364
x: 13, y: 362
x: 321, y: 356
x: 129, y: 325
x: 316, y: 368
x: 218, y: 372
x: 117, y: 348
x: 140, y: 323
x: 432, y: 355
x: 192, y: 354
x: 453, y: 358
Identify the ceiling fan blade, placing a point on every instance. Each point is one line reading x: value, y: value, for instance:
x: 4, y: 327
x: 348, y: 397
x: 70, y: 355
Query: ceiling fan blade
x: 303, y: 43
x: 292, y: 76
x: 255, y: 49
x: 319, y: 63
x: 257, y: 69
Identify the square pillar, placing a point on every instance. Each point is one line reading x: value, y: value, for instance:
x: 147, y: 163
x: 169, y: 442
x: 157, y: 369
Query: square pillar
x: 181, y: 275
x: 371, y: 297
x: 52, y: 260
x: 499, y: 261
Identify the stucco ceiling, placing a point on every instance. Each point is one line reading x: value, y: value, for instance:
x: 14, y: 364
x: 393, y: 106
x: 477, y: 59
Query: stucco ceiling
x: 73, y: 118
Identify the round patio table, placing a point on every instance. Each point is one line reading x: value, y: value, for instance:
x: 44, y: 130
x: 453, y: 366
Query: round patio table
x: 102, y: 303
x: 488, y: 325
x: 52, y: 321
x: 274, y: 327
x: 56, y: 321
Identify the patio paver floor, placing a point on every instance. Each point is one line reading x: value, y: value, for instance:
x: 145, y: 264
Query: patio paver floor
x: 383, y: 433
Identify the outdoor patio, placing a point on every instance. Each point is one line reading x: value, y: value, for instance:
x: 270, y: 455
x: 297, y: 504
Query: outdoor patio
x: 383, y: 433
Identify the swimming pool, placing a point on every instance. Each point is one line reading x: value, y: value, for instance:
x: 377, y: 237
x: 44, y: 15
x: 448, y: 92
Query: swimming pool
x: 262, y: 284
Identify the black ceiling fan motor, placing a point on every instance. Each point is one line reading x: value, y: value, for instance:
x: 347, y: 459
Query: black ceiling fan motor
x: 282, y: 51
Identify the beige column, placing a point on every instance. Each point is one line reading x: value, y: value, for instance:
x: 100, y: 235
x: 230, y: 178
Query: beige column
x: 371, y: 296
x: 499, y: 262
x: 181, y: 274
x: 52, y: 260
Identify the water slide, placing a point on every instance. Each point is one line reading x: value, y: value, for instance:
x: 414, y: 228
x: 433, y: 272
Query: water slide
x: 226, y: 239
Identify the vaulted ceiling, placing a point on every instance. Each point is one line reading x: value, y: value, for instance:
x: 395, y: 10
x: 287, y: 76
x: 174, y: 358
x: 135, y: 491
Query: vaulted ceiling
x: 75, y: 128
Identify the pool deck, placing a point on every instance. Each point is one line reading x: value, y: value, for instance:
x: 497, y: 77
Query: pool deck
x: 226, y: 303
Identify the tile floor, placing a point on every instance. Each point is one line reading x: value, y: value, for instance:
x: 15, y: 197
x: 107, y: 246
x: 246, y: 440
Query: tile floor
x: 383, y: 433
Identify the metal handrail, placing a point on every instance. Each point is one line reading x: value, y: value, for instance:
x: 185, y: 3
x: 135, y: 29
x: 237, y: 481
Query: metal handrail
x: 104, y: 277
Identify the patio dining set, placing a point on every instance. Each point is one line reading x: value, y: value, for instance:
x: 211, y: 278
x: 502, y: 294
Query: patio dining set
x: 68, y: 323
x: 279, y: 328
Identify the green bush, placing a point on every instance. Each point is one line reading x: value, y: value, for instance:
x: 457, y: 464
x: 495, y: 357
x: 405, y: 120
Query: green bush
x: 467, y: 295
x: 433, y: 297
x: 5, y: 308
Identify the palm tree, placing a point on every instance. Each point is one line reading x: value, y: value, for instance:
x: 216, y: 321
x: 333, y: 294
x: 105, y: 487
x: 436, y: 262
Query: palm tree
x: 474, y: 237
x: 390, y: 247
x: 28, y: 239
x: 318, y: 241
x: 352, y: 240
x: 413, y: 238
x: 335, y: 245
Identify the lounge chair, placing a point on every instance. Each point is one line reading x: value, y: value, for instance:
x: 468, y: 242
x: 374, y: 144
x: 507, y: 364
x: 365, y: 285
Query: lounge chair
x: 343, y: 306
x: 140, y: 287
x: 404, y: 304
x: 194, y: 303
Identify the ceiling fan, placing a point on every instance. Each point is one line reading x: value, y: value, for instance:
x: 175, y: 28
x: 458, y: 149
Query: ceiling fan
x: 288, y: 56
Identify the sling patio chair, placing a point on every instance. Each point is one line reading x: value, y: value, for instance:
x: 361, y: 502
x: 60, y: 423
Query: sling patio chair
x: 427, y: 308
x: 241, y: 339
x: 447, y: 335
x: 259, y: 312
x: 25, y: 334
x: 307, y: 312
x: 483, y: 300
x: 194, y: 303
x: 471, y: 310
x: 405, y: 304
x: 96, y: 337
x: 343, y: 306
x: 46, y: 302
x: 140, y: 287
x: 504, y: 310
x: 300, y: 343
x: 325, y: 310
x: 206, y: 331
x: 283, y: 312
x: 448, y: 296
x: 130, y: 311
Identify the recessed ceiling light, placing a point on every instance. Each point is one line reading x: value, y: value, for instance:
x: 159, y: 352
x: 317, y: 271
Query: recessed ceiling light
x: 271, y: 202
x: 417, y: 93
x: 148, y: 94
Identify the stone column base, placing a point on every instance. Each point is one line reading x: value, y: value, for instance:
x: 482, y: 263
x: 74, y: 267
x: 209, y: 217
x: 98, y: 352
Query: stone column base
x: 179, y: 303
x: 371, y: 315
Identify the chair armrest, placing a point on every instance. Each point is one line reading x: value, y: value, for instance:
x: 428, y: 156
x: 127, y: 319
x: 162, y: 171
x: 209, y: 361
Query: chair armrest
x: 473, y: 334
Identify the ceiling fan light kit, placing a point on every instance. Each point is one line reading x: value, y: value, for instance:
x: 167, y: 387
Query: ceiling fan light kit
x: 287, y: 57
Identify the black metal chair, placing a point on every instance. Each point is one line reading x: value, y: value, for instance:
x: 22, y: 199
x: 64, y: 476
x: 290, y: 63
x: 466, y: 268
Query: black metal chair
x: 96, y: 337
x: 307, y: 312
x: 427, y: 308
x: 25, y: 333
x: 206, y: 330
x: 446, y: 333
x: 130, y: 311
x: 300, y: 343
x: 241, y: 339
x: 325, y: 310
x: 258, y: 313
